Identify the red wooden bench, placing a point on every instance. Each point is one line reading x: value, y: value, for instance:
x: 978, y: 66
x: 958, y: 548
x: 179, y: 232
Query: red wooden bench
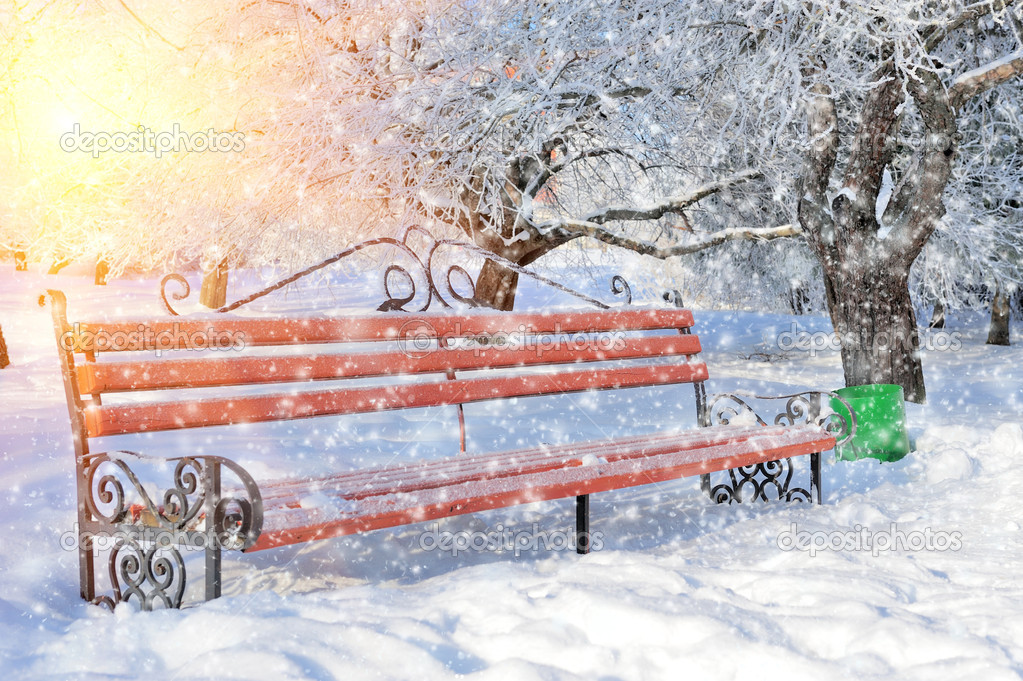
x: 322, y: 367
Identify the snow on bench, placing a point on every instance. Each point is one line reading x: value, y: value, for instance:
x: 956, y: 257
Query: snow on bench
x: 324, y: 367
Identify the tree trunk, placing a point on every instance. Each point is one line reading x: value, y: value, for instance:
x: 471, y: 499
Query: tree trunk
x: 998, y: 332
x: 496, y: 286
x: 874, y: 318
x: 214, y: 286
x: 4, y: 359
x: 20, y: 261
x: 102, y: 270
x: 799, y: 299
x: 937, y: 316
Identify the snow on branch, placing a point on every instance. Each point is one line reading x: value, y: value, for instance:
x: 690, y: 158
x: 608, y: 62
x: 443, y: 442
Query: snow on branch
x: 672, y: 205
x: 982, y: 79
x: 940, y: 30
x: 566, y: 230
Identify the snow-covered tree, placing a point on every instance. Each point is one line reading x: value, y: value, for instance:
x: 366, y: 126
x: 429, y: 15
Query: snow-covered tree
x: 524, y: 125
x: 530, y: 124
x: 658, y: 126
x: 886, y: 91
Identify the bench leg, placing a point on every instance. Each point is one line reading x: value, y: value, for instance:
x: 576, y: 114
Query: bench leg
x: 815, y: 476
x: 86, y: 567
x: 582, y: 524
x: 211, y: 483
x: 212, y: 572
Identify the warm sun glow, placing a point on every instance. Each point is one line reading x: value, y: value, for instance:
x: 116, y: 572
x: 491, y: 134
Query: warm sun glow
x: 84, y: 102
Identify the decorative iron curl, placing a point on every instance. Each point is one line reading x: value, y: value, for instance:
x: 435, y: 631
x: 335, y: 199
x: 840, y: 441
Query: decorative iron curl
x: 504, y: 262
x: 758, y: 479
x: 801, y: 408
x: 149, y: 575
x: 673, y: 297
x: 420, y: 266
x: 179, y: 295
x: 620, y: 287
x: 470, y: 299
x: 107, y: 501
x: 755, y: 480
x: 394, y: 303
x: 236, y: 521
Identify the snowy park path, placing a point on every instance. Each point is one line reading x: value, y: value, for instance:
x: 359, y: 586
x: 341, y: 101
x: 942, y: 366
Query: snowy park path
x: 680, y: 588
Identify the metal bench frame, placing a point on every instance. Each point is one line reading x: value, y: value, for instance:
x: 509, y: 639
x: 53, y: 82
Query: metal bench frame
x: 144, y: 562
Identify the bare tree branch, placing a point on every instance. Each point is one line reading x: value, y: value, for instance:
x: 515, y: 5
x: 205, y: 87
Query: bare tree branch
x: 672, y: 205
x: 819, y: 162
x: 982, y: 79
x: 567, y: 230
x: 925, y: 207
x: 937, y: 33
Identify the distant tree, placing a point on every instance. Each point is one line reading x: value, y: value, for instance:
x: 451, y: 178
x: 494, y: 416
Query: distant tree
x: 663, y: 127
x: 5, y: 360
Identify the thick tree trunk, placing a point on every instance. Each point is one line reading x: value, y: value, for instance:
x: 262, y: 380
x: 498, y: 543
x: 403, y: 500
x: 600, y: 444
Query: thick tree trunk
x: 496, y: 286
x: 874, y: 318
x: 998, y: 332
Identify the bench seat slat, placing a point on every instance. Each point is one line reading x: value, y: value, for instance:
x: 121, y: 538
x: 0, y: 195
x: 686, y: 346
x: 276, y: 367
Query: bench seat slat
x: 626, y: 467
x: 143, y: 334
x: 416, y: 476
x: 148, y: 417
x: 194, y: 373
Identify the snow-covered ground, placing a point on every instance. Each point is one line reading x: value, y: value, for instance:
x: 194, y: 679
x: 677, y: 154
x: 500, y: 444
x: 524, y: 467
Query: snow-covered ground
x: 680, y: 589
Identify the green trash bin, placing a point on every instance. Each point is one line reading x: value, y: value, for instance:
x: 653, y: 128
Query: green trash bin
x: 880, y: 422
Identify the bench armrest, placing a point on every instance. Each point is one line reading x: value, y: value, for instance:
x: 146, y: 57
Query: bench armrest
x: 805, y: 407
x: 194, y: 495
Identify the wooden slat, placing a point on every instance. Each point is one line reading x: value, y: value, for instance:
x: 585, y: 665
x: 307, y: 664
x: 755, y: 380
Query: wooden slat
x: 287, y: 525
x: 116, y: 420
x: 422, y: 475
x: 149, y: 334
x: 195, y: 373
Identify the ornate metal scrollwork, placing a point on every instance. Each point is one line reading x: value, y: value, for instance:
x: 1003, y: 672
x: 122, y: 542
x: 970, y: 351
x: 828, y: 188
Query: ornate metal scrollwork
x: 755, y: 481
x: 423, y: 267
x: 151, y: 575
x: 144, y: 560
x: 620, y: 287
x: 182, y: 502
x: 176, y: 295
x: 804, y: 407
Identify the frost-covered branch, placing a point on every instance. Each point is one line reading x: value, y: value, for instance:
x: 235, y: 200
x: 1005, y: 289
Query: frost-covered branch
x: 566, y: 230
x: 676, y: 204
x: 983, y: 78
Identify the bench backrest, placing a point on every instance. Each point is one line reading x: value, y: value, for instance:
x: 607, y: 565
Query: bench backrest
x: 360, y: 364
